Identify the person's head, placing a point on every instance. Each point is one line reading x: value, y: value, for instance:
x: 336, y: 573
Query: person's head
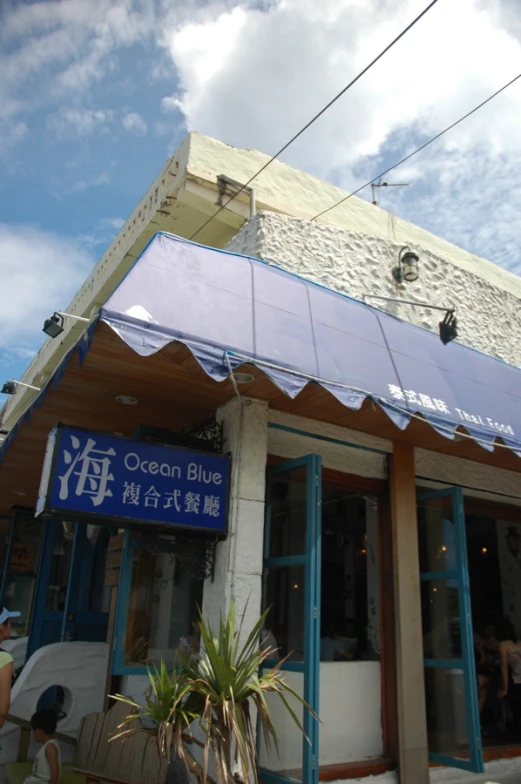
x: 5, y: 622
x: 507, y: 632
x: 44, y: 724
x: 489, y: 631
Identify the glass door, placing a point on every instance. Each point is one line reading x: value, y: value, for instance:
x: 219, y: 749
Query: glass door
x: 450, y: 678
x: 291, y: 586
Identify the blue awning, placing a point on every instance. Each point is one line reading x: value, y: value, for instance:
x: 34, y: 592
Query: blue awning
x: 230, y: 310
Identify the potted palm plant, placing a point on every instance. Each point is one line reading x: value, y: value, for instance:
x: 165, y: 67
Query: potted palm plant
x: 221, y: 691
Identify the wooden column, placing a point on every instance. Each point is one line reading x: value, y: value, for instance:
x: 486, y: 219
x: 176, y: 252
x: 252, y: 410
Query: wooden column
x: 412, y: 722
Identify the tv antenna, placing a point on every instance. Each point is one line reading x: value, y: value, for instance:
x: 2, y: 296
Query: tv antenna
x: 381, y: 184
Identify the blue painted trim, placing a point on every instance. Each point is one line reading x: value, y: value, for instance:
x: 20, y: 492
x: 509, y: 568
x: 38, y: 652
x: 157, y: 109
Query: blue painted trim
x: 329, y: 440
x: 452, y: 762
x: 467, y: 640
x: 467, y: 662
x: 73, y: 586
x: 285, y: 560
x: 310, y: 667
x: 445, y: 664
x: 290, y: 666
x: 268, y: 777
x: 41, y: 589
x: 452, y: 575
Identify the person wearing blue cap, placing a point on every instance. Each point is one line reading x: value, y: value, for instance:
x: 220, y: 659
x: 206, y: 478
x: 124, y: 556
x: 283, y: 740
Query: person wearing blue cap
x: 6, y: 663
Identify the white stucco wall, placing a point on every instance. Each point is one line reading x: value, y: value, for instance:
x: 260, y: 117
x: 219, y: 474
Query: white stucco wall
x: 487, y: 298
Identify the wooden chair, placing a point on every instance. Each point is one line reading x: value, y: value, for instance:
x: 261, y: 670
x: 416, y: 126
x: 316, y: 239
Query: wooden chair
x: 130, y: 759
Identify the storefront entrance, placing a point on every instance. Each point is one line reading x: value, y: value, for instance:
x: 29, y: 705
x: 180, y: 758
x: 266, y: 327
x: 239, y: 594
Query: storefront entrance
x: 322, y: 587
x: 470, y: 551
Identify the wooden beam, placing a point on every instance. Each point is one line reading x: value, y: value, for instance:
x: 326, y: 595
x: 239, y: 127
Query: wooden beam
x: 412, y: 721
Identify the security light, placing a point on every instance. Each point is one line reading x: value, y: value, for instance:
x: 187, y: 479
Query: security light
x: 408, y: 266
x: 448, y: 327
x: 10, y: 387
x: 53, y: 326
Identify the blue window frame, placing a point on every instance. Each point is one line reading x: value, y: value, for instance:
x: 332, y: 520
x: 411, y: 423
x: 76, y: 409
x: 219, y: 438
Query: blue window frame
x: 450, y: 676
x: 293, y: 547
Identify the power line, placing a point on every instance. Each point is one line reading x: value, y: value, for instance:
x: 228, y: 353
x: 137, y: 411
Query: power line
x: 316, y: 117
x: 423, y: 146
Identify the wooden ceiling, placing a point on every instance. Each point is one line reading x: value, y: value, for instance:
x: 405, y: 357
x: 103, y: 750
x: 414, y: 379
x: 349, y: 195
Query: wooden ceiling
x: 174, y: 392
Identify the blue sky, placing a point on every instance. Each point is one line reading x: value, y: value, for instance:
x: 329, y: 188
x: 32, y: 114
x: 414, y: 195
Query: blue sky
x: 96, y: 94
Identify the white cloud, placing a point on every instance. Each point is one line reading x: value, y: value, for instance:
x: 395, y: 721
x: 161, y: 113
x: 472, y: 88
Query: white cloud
x: 65, y: 46
x: 80, y: 122
x: 40, y: 272
x: 91, y: 182
x: 254, y: 77
x: 11, y: 134
x: 134, y: 123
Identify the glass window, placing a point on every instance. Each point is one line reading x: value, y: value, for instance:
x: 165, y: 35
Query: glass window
x: 284, y: 595
x: 23, y: 564
x: 350, y: 612
x: 162, y: 614
x: 287, y: 500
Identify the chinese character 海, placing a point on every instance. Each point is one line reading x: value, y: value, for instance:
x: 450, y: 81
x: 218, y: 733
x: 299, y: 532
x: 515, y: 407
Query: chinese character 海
x: 441, y: 406
x: 192, y: 502
x: 396, y: 392
x: 152, y: 497
x: 131, y: 493
x: 426, y: 402
x: 173, y: 499
x: 91, y: 467
x: 212, y: 505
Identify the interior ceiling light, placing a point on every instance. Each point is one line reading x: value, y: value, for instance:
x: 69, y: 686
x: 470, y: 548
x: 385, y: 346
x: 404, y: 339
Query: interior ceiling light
x: 10, y: 387
x: 53, y: 326
x: 126, y: 400
x: 408, y: 266
x: 244, y: 378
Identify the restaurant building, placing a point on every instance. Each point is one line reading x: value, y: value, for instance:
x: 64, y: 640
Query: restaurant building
x: 249, y: 424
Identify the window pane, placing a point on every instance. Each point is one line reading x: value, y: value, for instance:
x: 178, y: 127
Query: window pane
x: 287, y: 499
x: 60, y: 566
x: 23, y: 564
x: 441, y: 619
x: 284, y: 594
x: 437, y: 541
x: 446, y: 714
x: 162, y: 609
x: 350, y: 610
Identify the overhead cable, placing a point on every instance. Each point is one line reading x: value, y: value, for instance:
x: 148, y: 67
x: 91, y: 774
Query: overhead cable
x: 315, y: 118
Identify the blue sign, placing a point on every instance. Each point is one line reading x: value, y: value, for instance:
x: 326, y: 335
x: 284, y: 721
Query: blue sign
x: 92, y: 475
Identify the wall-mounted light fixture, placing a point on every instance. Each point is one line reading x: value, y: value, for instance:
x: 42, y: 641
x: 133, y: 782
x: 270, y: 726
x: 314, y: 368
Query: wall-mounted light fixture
x: 53, y: 326
x: 10, y: 387
x: 408, y: 266
x: 447, y: 327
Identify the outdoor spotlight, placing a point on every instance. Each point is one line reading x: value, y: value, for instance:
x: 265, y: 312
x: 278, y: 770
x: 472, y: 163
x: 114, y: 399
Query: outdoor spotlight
x: 408, y: 266
x: 53, y: 326
x: 9, y: 388
x: 448, y: 327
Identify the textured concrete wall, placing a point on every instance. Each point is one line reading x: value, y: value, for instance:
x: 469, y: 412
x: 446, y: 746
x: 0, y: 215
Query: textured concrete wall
x: 488, y: 305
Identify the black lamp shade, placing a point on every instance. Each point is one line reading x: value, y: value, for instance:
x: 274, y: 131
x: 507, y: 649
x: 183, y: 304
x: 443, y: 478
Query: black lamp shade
x: 53, y: 326
x: 448, y: 328
x: 9, y: 388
